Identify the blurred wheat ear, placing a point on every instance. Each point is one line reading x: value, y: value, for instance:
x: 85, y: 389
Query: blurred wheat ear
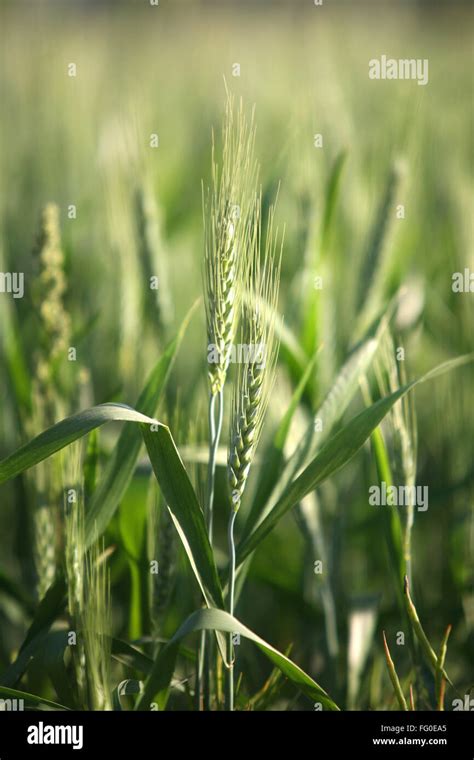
x: 97, y: 629
x: 74, y: 550
x: 226, y: 211
x: 48, y: 405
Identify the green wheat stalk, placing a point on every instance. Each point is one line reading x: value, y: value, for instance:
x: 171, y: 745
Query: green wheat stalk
x: 226, y: 215
x: 393, y: 676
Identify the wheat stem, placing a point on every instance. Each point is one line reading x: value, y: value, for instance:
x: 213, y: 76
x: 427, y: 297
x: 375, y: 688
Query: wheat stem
x: 393, y: 676
x: 215, y: 429
x: 226, y: 215
x: 230, y: 655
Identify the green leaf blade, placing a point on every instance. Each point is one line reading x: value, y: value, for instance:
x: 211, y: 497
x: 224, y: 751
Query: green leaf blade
x: 218, y: 620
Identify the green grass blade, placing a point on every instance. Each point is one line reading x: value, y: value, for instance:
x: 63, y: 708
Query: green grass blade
x: 30, y: 700
x: 335, y: 454
x: 48, y: 610
x: 331, y: 410
x: 390, y: 517
x: 120, y: 467
x: 394, y: 676
x: 218, y: 620
x: 332, y: 194
x: 63, y: 433
x: 376, y: 255
x: 274, y: 456
x: 319, y: 245
x: 125, y: 688
x: 14, y: 591
x: 91, y: 464
x: 427, y: 649
x: 131, y: 656
x: 184, y: 508
x: 50, y: 659
x: 440, y: 682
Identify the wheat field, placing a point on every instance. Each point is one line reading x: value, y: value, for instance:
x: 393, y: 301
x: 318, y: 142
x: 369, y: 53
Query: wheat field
x: 236, y: 343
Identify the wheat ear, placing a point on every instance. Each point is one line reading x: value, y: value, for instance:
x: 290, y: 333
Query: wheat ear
x: 226, y: 212
x: 47, y: 400
x: 97, y: 628
x: 74, y: 551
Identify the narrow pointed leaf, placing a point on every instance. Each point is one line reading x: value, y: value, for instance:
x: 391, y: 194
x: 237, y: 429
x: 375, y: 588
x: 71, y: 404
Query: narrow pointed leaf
x: 274, y: 456
x: 218, y: 620
x: 121, y: 465
x: 30, y: 700
x: 335, y: 454
x: 63, y: 433
x: 184, y: 508
x: 329, y: 413
x: 48, y: 610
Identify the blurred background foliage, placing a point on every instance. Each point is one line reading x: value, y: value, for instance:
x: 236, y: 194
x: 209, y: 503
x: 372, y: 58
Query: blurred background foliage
x: 85, y: 140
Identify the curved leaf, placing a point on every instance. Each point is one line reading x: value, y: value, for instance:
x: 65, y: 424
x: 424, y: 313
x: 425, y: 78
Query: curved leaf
x: 30, y: 700
x: 331, y: 410
x: 48, y: 610
x: 184, y: 509
x: 125, y: 688
x: 121, y: 465
x: 218, y: 620
x: 65, y: 432
x: 131, y: 656
x: 335, y: 454
x: 14, y: 591
x: 274, y: 456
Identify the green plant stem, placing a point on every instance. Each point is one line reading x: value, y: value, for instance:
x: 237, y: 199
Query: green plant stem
x: 394, y: 677
x: 407, y: 537
x: 215, y: 427
x: 440, y: 682
x: 231, y: 543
